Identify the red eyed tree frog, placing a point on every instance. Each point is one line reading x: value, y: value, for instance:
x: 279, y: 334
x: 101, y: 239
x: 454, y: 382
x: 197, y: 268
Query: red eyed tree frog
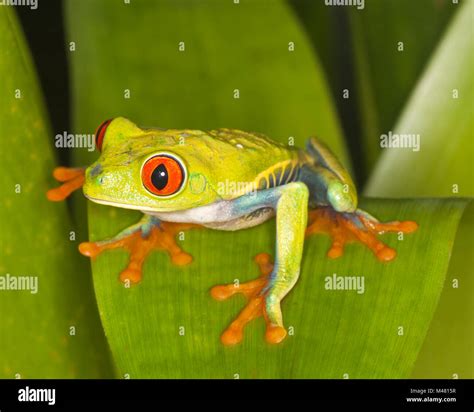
x: 181, y: 178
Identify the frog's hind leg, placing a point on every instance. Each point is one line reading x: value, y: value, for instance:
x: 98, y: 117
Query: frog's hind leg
x: 140, y: 239
x: 358, y: 226
x: 72, y: 179
x: 266, y: 292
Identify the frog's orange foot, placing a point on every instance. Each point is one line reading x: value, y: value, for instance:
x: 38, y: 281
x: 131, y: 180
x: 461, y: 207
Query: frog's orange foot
x: 160, y: 237
x: 255, y: 306
x: 358, y: 226
x: 72, y: 178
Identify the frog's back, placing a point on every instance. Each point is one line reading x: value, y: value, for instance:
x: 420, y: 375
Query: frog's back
x: 252, y: 161
x: 240, y: 140
x: 269, y: 163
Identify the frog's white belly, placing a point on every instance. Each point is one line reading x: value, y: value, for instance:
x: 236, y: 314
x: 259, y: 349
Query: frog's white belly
x: 219, y: 215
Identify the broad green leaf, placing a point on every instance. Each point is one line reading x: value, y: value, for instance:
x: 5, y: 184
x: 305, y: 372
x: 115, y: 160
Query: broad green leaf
x: 335, y: 332
x: 442, y: 167
x: 36, y: 339
x: 392, y: 41
x: 447, y: 349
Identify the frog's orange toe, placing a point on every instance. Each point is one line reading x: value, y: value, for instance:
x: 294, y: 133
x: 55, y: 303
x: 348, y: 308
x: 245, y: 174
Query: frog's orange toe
x: 336, y: 250
x: 133, y: 276
x: 55, y: 195
x: 409, y: 226
x: 262, y: 259
x: 64, y: 174
x: 232, y: 336
x: 181, y: 259
x: 386, y: 254
x: 264, y: 262
x: 222, y: 292
x: 275, y: 334
x: 89, y: 249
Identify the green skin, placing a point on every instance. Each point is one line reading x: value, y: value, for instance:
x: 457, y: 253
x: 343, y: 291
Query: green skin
x: 233, y: 180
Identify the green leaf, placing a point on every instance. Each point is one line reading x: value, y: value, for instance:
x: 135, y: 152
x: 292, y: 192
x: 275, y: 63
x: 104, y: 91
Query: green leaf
x: 35, y: 338
x: 335, y: 332
x: 447, y: 349
x: 443, y: 165
x: 385, y: 75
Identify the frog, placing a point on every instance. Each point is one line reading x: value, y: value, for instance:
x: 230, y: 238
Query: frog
x: 224, y: 179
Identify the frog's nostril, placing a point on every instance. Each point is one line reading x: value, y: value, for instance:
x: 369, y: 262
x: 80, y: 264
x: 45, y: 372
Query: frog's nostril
x: 96, y: 170
x: 100, y: 180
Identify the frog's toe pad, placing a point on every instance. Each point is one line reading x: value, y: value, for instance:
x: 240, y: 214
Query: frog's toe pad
x: 275, y: 334
x: 89, y: 249
x: 181, y: 259
x: 254, y: 308
x: 232, y: 336
x: 358, y: 226
x: 131, y: 275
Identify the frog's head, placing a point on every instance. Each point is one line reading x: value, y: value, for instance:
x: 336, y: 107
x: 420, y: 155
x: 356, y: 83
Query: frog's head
x: 148, y: 169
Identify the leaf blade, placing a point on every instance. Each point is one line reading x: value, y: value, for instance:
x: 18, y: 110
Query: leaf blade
x: 35, y: 330
x: 445, y: 159
x: 346, y: 329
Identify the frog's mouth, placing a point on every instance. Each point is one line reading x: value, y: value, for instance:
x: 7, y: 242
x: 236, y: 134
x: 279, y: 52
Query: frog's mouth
x: 144, y: 209
x: 121, y: 205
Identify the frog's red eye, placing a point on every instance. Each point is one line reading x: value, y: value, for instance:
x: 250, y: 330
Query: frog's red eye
x: 163, y: 175
x: 100, y: 133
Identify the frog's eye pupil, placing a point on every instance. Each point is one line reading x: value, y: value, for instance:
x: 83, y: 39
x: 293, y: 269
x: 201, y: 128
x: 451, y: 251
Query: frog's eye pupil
x: 159, y: 177
x: 163, y: 175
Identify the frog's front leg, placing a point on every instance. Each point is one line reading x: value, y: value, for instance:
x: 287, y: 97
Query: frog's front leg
x: 265, y: 294
x: 140, y: 239
x: 359, y: 226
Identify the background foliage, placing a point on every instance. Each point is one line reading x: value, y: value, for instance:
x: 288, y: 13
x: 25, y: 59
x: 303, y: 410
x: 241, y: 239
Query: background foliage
x: 35, y: 334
